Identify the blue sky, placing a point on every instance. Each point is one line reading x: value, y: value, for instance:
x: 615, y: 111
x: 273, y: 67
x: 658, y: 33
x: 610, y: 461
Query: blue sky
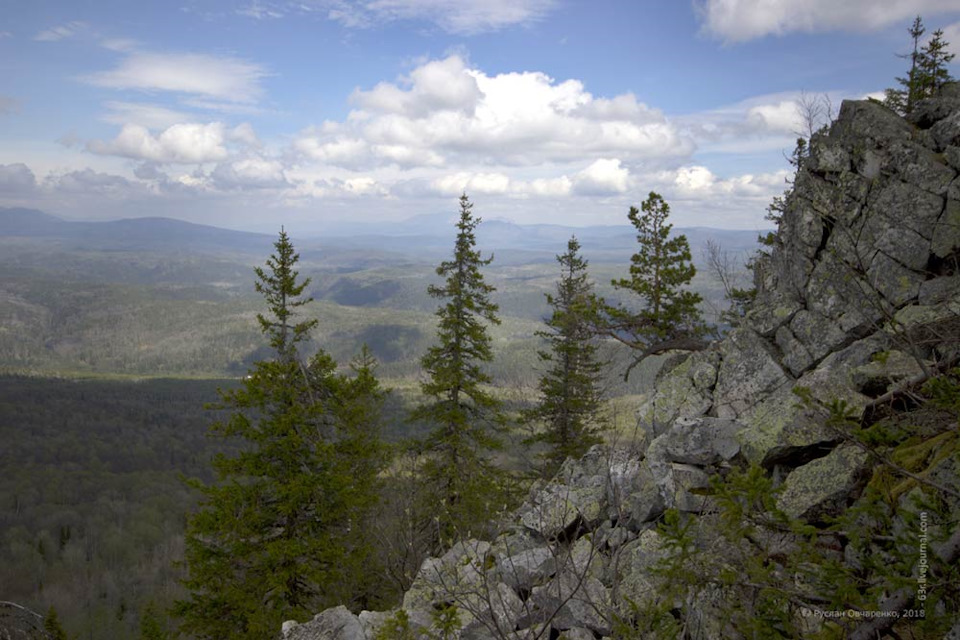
x: 251, y: 114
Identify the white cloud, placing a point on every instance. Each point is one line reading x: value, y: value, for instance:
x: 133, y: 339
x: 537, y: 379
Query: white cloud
x: 87, y: 181
x: 464, y: 17
x: 438, y: 85
x: 245, y: 135
x: 122, y: 45
x: 741, y: 20
x: 604, y: 177
x: 220, y: 78
x: 260, y: 11
x: 60, y: 32
x: 446, y: 112
x: 951, y: 33
x: 783, y: 116
x: 180, y: 143
x: 695, y: 182
x: 478, y: 183
x: 151, y: 116
x: 250, y: 172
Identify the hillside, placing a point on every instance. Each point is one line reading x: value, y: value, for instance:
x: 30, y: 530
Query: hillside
x: 799, y: 478
x: 162, y: 297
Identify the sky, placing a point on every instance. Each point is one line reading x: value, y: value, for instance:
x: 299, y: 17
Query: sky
x: 249, y: 114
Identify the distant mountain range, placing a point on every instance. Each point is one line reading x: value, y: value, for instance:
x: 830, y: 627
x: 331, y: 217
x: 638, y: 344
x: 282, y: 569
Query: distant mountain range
x: 426, y: 235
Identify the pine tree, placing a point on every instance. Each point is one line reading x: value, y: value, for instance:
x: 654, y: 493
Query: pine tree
x: 272, y: 540
x: 670, y: 318
x: 52, y: 627
x: 933, y: 62
x: 928, y: 70
x: 467, y: 418
x: 570, y: 391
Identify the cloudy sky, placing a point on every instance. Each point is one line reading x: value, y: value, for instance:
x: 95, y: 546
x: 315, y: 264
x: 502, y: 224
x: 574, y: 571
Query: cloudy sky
x: 252, y: 113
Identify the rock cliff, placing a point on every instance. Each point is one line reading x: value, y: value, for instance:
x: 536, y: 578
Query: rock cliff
x: 858, y: 305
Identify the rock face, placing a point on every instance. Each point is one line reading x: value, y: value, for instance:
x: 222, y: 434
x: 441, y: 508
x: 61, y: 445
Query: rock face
x: 860, y: 294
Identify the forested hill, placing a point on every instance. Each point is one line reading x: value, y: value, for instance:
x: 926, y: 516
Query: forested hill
x: 130, y: 234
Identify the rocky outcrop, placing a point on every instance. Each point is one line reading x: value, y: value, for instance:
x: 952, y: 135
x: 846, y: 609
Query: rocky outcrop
x: 860, y: 297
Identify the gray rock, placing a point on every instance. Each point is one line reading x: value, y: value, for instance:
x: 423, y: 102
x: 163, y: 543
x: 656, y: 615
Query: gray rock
x: 333, y: 624
x: 946, y: 131
x: 690, y: 486
x: 371, y: 621
x: 822, y: 487
x: 686, y: 391
x: 918, y: 166
x: 748, y: 371
x: 524, y: 569
x: 939, y: 290
x: 946, y: 233
x: 458, y: 575
x: 928, y: 112
x: 699, y: 441
x: 571, y: 600
x: 635, y: 581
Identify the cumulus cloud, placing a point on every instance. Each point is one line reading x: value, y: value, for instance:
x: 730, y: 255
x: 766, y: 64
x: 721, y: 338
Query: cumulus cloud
x: 604, y: 177
x: 742, y: 20
x: 783, y: 116
x: 700, y: 183
x: 253, y: 172
x: 222, y: 78
x: 88, y: 181
x: 477, y: 183
x: 438, y: 85
x: 16, y: 179
x: 446, y: 111
x: 180, y: 143
x: 465, y: 17
x: 60, y: 32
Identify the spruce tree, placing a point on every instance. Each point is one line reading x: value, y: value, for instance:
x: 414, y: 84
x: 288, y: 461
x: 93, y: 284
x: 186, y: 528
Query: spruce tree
x: 928, y: 70
x: 52, y: 627
x: 659, y: 271
x: 272, y: 539
x: 571, y: 396
x: 466, y: 418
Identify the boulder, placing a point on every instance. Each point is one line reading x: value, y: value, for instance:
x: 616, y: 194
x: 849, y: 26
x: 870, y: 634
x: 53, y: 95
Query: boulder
x: 333, y: 624
x: 823, y: 487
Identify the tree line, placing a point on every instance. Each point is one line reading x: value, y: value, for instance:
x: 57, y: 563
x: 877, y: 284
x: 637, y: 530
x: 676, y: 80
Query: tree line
x: 287, y: 528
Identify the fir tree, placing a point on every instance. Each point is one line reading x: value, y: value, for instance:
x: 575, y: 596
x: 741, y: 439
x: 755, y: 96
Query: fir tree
x: 928, y: 70
x: 466, y: 418
x: 570, y: 391
x: 273, y: 540
x: 659, y: 270
x: 52, y: 627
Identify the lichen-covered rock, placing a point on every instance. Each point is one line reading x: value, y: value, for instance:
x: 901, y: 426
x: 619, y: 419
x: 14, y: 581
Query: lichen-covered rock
x: 748, y: 371
x: 686, y: 391
x: 524, y: 569
x: 635, y: 581
x: 946, y: 233
x: 460, y: 572
x: 573, y: 600
x: 822, y: 487
x: 559, y: 507
x: 333, y: 624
